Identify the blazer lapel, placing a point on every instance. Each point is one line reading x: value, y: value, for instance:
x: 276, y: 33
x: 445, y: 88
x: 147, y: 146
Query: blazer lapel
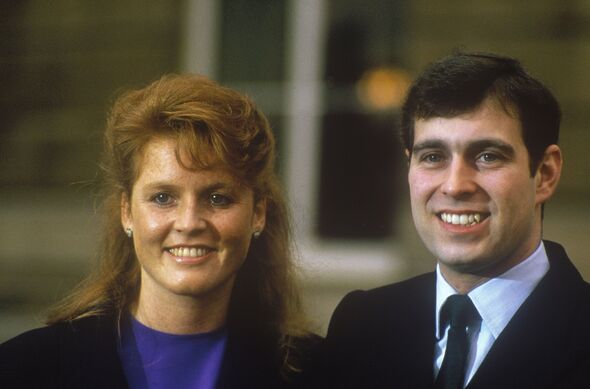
x: 530, y: 351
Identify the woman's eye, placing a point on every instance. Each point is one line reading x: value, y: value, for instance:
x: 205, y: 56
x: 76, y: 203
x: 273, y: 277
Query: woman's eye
x: 217, y: 199
x: 162, y: 199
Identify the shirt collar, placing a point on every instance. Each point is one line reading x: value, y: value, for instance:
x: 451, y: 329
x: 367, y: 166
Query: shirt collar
x: 498, y: 299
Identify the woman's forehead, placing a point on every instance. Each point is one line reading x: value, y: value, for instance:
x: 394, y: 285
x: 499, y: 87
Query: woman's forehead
x: 168, y: 156
x: 167, y: 149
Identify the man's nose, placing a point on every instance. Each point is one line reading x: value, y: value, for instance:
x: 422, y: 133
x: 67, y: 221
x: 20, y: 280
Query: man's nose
x: 459, y: 179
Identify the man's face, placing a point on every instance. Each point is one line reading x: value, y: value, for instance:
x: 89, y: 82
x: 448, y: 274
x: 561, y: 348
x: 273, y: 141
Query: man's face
x: 474, y: 201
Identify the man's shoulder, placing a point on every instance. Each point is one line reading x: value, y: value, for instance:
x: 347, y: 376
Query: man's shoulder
x: 564, y: 273
x: 375, y: 306
x: 417, y: 284
x: 374, y: 329
x: 410, y: 291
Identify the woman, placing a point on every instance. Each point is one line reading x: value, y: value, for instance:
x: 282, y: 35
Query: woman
x: 196, y: 282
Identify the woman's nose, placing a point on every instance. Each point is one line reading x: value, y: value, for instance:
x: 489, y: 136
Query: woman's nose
x: 190, y: 218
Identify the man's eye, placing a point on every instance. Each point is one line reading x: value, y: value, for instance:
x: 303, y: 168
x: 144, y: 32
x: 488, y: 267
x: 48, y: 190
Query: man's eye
x: 432, y: 158
x: 488, y: 157
x: 217, y: 200
x: 162, y: 199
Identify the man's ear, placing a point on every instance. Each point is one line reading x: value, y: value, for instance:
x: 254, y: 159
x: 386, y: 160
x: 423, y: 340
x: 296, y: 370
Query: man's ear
x: 126, y: 220
x: 548, y: 173
x: 408, y: 155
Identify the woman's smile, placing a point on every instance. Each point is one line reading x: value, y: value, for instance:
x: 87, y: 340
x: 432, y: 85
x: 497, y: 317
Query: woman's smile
x: 190, y: 255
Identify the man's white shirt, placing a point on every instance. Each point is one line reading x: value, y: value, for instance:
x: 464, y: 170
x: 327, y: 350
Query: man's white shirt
x: 496, y: 300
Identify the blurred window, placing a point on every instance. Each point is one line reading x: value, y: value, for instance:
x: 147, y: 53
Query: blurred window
x: 364, y: 88
x: 60, y: 64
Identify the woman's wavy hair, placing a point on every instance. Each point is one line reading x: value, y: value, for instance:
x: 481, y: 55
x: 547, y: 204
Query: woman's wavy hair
x: 203, y: 118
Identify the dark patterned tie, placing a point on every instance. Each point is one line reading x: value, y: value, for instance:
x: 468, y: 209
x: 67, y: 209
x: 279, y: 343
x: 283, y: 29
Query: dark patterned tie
x: 459, y: 312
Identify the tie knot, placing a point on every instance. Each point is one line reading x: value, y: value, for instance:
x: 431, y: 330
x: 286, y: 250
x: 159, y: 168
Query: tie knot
x: 459, y: 311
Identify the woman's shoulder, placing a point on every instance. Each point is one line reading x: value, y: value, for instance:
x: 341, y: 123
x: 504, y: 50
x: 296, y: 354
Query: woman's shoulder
x: 51, y: 335
x: 29, y: 355
x: 301, y: 354
x: 41, y: 353
x: 32, y: 341
x: 263, y: 361
x: 303, y: 347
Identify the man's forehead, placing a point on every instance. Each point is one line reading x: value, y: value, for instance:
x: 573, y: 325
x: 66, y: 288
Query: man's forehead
x: 488, y: 121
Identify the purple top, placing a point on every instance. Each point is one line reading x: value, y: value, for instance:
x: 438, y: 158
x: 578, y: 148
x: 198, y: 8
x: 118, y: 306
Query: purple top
x: 153, y: 359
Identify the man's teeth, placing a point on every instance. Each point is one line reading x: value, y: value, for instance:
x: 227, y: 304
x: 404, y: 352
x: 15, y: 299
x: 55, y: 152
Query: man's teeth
x: 462, y: 219
x: 188, y: 251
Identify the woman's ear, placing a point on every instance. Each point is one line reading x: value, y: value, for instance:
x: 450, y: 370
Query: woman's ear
x: 259, y: 220
x: 126, y: 220
x: 548, y: 173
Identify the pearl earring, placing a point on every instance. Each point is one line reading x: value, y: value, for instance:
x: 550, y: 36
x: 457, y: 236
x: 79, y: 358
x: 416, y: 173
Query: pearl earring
x: 129, y: 232
x: 256, y: 234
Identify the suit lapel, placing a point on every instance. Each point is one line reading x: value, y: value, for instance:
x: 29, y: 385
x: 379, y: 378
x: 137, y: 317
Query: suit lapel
x: 530, y: 350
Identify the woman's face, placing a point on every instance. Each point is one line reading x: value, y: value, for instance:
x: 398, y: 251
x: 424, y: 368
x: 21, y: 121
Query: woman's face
x: 191, y: 228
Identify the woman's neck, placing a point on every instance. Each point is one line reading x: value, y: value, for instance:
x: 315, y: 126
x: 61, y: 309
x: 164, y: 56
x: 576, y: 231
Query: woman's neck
x: 178, y: 314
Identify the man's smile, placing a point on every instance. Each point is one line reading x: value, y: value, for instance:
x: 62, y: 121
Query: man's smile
x: 464, y: 219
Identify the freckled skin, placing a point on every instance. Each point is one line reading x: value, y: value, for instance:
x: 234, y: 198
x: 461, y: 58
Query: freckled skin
x: 171, y: 206
x: 477, y: 162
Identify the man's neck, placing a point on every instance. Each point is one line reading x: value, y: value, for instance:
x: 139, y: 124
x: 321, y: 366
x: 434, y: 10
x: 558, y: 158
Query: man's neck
x: 465, y: 279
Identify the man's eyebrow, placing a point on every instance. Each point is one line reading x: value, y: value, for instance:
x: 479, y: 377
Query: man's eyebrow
x: 428, y: 144
x: 474, y: 146
x: 497, y: 144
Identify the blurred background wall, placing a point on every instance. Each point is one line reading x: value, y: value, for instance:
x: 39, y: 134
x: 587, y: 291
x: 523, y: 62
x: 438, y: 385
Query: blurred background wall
x: 330, y: 74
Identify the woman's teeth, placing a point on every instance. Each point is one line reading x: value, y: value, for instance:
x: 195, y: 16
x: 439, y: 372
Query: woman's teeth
x: 462, y: 219
x: 188, y: 251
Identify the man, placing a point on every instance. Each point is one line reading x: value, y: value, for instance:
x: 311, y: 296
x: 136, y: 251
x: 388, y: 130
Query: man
x: 504, y: 308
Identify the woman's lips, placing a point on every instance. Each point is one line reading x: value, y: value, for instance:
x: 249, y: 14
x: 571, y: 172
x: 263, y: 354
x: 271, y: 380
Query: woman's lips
x: 190, y: 252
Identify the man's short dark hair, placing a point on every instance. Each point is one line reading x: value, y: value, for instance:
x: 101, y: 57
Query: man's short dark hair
x: 460, y: 82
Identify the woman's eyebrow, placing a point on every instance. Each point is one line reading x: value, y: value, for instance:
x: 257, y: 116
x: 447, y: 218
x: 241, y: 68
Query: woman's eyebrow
x: 160, y: 185
x: 168, y: 186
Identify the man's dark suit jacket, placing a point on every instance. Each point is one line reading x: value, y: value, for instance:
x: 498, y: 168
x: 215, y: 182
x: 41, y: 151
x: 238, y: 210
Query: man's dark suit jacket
x: 83, y: 354
x: 385, y: 338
